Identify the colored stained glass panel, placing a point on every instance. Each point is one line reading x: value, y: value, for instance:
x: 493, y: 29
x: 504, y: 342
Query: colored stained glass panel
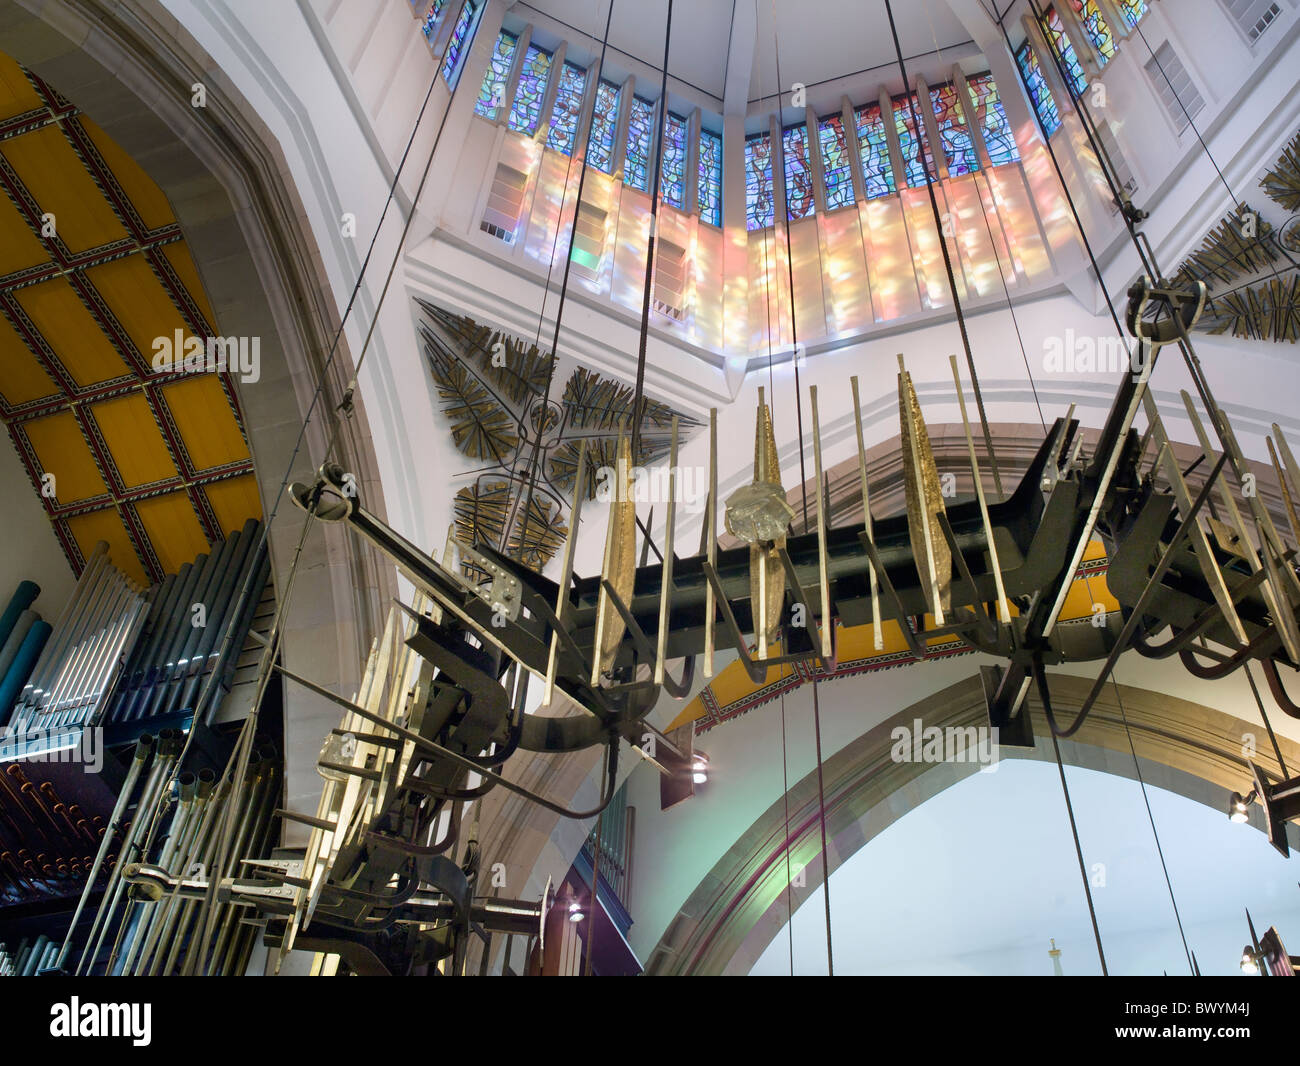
x: 527, y: 108
x: 600, y: 152
x: 992, y: 120
x: 758, y: 182
x: 954, y: 133
x: 492, y: 93
x: 1133, y: 10
x: 1060, y: 42
x: 459, y: 43
x: 640, y: 136
x: 1039, y: 94
x: 1096, y: 27
x: 912, y: 143
x: 568, y: 102
x: 800, y: 202
x: 836, y: 162
x: 710, y: 187
x: 431, y: 18
x: 672, y: 180
x: 873, y: 144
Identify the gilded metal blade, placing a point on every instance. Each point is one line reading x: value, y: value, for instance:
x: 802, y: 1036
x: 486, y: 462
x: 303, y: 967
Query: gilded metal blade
x: 767, y: 595
x: 620, y: 556
x: 924, y: 501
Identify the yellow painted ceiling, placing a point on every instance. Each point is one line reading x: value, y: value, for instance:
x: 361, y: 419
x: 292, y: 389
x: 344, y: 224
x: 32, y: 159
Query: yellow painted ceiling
x: 93, y: 267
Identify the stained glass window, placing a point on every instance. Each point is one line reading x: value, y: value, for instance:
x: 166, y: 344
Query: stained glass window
x: 1061, y: 43
x: 527, y: 108
x: 954, y: 133
x: 672, y: 178
x: 1133, y: 10
x: 435, y: 9
x: 912, y: 142
x: 1039, y: 94
x: 758, y: 181
x: 836, y: 166
x: 992, y: 120
x: 492, y: 93
x: 604, y: 124
x: 640, y: 136
x: 1097, y: 28
x: 568, y: 102
x: 710, y: 187
x: 459, y: 43
x: 873, y: 144
x: 800, y: 201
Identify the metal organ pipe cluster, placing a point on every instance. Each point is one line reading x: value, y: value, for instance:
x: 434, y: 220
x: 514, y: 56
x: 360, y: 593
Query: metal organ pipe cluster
x: 119, y: 655
x: 121, y: 666
x: 196, y: 626
x: 79, y: 663
x: 145, y: 929
x: 23, y: 634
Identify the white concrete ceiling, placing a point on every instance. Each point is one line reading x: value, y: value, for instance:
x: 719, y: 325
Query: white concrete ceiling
x: 816, y: 41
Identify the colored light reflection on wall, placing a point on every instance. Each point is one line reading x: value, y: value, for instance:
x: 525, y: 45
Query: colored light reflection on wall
x: 852, y: 269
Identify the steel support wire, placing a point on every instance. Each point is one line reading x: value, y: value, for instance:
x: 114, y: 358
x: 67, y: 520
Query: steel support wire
x: 827, y: 620
x: 1135, y: 615
x: 910, y: 91
x: 564, y: 291
x: 239, y: 758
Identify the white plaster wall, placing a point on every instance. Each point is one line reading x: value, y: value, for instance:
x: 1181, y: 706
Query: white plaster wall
x: 32, y: 551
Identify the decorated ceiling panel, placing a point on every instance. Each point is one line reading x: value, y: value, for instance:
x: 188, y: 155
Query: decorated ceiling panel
x: 94, y: 268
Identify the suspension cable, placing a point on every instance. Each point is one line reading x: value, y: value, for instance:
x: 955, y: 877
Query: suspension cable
x: 771, y: 387
x: 533, y: 468
x: 656, y: 144
x: 827, y: 620
x: 236, y: 767
x: 910, y: 93
x: 1119, y: 700
x: 988, y: 226
x: 1078, y: 850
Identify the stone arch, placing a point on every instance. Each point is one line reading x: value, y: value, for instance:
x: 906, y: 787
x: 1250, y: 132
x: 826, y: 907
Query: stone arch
x: 130, y: 66
x: 738, y: 908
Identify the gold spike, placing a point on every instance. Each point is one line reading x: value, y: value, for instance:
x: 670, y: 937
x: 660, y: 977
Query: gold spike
x: 1165, y: 462
x: 766, y: 574
x: 823, y: 577
x: 566, y: 569
x: 1004, y: 611
x: 666, y: 587
x: 877, y: 634
x: 711, y: 535
x: 924, y: 500
x: 620, y: 563
x: 1274, y: 590
x: 1286, y: 491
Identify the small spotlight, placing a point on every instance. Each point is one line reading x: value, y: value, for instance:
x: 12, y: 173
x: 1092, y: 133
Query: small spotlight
x: 1239, y: 807
x: 1249, y: 965
x: 575, y: 912
x: 700, y: 769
